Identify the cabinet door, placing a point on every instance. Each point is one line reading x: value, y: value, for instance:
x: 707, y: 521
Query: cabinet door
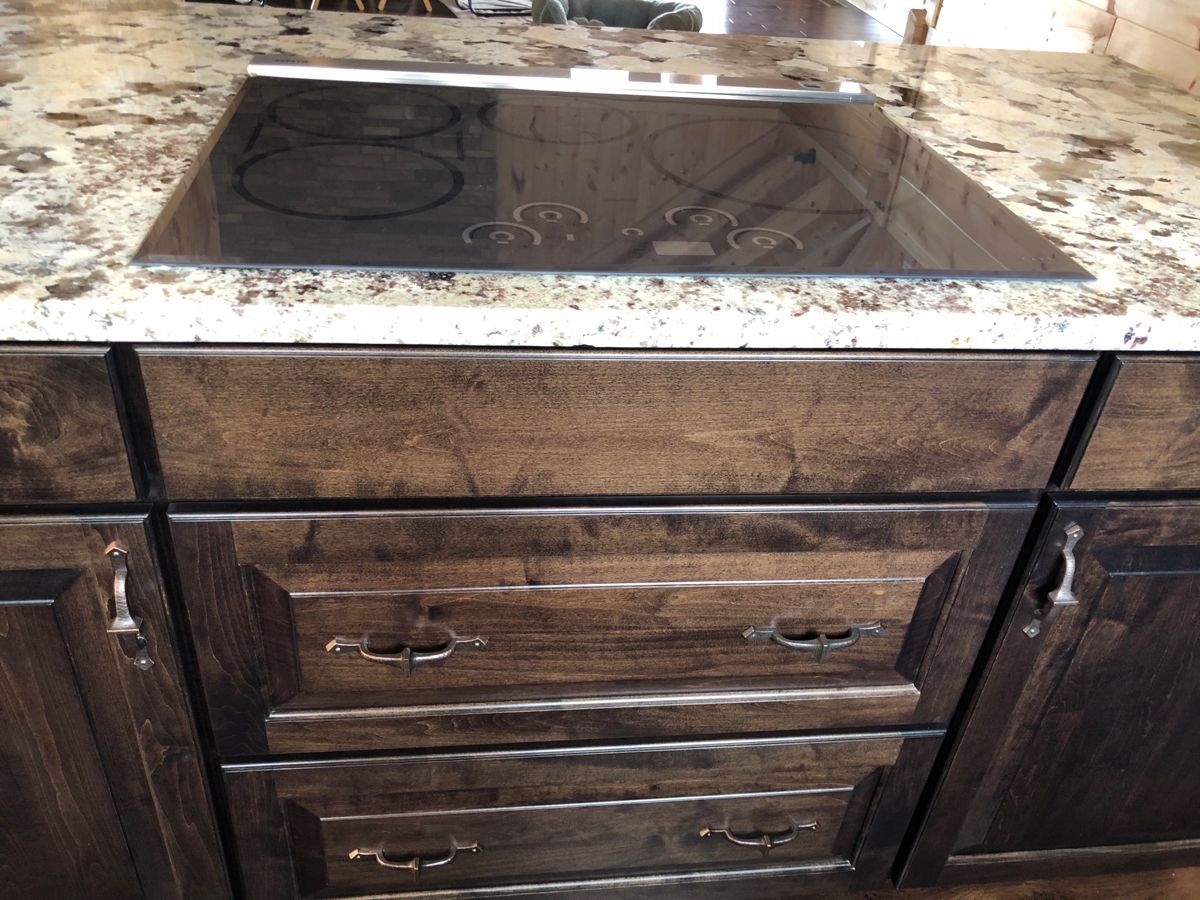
x: 99, y: 770
x: 1079, y: 753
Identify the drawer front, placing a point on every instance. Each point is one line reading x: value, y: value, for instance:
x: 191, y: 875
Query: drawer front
x: 1148, y: 433
x: 60, y: 437
x: 496, y: 819
x: 294, y: 423
x: 377, y: 630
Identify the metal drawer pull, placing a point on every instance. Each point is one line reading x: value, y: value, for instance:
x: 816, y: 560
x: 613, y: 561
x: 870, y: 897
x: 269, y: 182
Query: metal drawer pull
x: 416, y: 864
x: 126, y: 626
x: 408, y: 658
x: 762, y: 841
x: 1063, y: 595
x: 820, y: 646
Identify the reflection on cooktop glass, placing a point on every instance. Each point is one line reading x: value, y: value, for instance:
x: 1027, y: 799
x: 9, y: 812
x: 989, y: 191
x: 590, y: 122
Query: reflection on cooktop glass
x: 311, y: 174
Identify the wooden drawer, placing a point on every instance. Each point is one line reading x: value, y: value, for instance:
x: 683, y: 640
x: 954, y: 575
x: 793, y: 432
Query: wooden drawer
x: 363, y: 423
x: 60, y: 437
x: 318, y: 830
x: 1148, y: 433
x: 384, y: 630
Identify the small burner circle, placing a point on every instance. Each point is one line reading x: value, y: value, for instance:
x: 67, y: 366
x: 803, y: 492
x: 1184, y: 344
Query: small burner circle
x: 500, y: 236
x: 765, y: 241
x: 550, y: 215
x: 701, y: 219
x: 269, y: 180
x: 632, y: 232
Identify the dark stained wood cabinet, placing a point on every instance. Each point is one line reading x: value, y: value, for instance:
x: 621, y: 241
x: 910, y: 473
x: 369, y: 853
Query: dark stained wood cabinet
x: 302, y: 423
x: 1080, y: 751
x: 714, y: 673
x: 387, y: 630
x: 1147, y: 435
x: 60, y: 434
x: 102, y: 785
x: 759, y: 817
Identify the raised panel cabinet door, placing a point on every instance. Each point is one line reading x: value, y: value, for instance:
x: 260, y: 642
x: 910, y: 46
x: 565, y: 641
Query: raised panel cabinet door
x: 1079, y: 753
x: 100, y: 778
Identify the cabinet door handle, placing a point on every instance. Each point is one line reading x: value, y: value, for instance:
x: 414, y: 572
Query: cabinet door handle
x: 763, y: 841
x: 1063, y: 595
x: 124, y: 624
x: 415, y: 864
x: 408, y: 658
x: 820, y: 646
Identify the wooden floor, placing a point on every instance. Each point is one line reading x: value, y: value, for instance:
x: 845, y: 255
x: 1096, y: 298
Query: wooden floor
x: 828, y: 19
x: 1165, y: 884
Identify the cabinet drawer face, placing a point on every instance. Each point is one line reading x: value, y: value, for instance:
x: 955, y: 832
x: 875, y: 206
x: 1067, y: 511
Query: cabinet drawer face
x: 1148, y: 434
x: 302, y: 424
x: 343, y: 632
x: 494, y: 819
x: 60, y: 437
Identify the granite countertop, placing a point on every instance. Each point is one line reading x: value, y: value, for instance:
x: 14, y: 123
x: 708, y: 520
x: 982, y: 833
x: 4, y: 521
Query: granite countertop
x: 105, y: 104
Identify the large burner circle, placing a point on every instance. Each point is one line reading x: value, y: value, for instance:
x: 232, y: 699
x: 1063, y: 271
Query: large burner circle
x: 347, y: 181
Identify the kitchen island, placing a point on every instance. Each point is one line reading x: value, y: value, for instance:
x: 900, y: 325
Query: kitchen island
x: 106, y: 109
x: 362, y: 583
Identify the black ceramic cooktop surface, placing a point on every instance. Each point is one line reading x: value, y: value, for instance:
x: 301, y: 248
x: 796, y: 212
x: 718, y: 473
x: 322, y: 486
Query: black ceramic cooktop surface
x: 311, y: 174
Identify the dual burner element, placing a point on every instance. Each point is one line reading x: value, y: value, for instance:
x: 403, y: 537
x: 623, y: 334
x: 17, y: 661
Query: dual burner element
x: 504, y: 233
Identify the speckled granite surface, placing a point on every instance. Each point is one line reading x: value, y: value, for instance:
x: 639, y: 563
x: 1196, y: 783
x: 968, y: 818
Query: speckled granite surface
x: 103, y: 107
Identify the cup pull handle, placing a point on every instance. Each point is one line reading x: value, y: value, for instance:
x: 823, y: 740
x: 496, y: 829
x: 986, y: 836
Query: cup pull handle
x: 407, y: 658
x: 820, y: 646
x: 763, y: 841
x: 124, y: 624
x: 1064, y: 594
x: 415, y: 864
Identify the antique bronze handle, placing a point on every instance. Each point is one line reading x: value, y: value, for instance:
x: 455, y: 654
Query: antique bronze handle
x: 762, y: 841
x: 126, y: 626
x: 415, y: 864
x: 408, y: 658
x: 820, y: 646
x: 1063, y: 595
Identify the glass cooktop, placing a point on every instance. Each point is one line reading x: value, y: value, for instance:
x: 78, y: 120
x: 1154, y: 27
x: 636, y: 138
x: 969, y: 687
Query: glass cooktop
x: 443, y: 178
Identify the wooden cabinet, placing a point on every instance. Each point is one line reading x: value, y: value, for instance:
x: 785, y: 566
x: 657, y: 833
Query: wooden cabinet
x: 1080, y: 749
x: 757, y: 818
x: 60, y: 433
x: 385, y: 630
x: 101, y: 780
x: 1147, y: 434
x: 233, y: 424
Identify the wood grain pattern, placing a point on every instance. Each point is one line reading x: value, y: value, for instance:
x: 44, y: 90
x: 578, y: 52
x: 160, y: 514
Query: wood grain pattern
x: 59, y: 831
x: 619, y: 811
x: 60, y: 438
x: 142, y: 726
x: 400, y: 424
x: 1097, y: 744
x: 1148, y: 435
x: 599, y: 623
x: 1170, y: 60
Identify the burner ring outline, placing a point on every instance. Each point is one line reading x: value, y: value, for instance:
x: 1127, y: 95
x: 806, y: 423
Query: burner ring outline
x: 272, y: 113
x: 239, y: 183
